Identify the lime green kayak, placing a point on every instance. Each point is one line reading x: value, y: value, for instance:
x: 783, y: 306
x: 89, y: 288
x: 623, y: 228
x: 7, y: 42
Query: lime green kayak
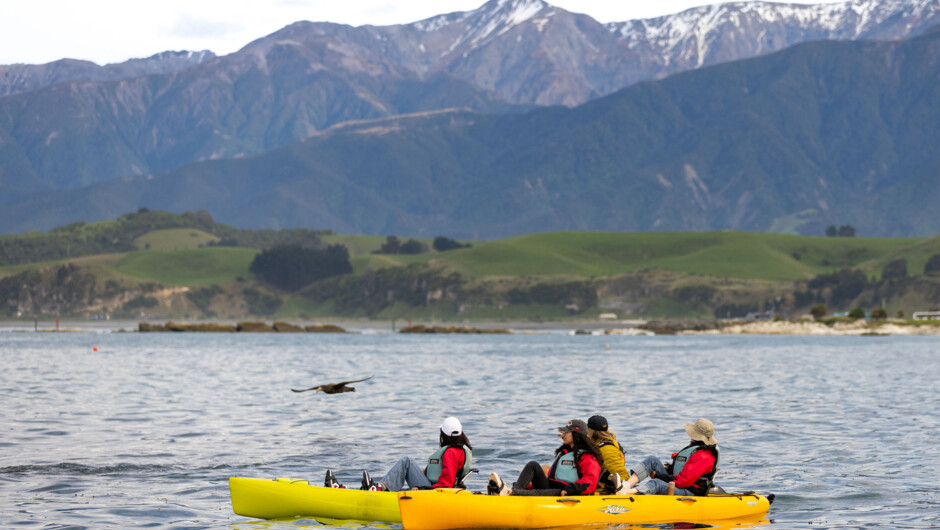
x: 284, y: 497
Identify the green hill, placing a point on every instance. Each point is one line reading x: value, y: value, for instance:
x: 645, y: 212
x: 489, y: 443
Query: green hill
x: 174, y: 239
x: 146, y: 230
x: 742, y: 255
x: 551, y: 275
x: 191, y: 267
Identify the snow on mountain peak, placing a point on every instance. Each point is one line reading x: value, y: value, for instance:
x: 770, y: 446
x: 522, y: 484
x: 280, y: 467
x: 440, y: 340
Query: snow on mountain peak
x: 699, y: 26
x: 498, y: 13
x: 518, y: 11
x: 491, y: 20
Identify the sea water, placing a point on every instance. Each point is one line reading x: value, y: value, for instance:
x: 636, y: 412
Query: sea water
x: 139, y: 430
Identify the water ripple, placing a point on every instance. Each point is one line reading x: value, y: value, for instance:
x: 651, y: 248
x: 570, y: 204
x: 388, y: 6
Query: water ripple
x: 147, y: 435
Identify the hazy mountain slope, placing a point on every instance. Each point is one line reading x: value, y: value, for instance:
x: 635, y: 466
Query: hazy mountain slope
x: 17, y: 78
x: 273, y: 92
x: 129, y: 119
x: 827, y: 132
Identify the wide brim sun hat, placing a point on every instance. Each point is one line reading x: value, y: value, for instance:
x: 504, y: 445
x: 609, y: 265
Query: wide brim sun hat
x: 702, y: 430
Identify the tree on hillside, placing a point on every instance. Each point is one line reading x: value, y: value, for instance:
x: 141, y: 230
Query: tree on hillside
x: 292, y: 267
x: 843, y: 286
x: 413, y: 246
x: 895, y: 269
x: 818, y: 311
x: 443, y: 244
x: 201, y: 218
x: 392, y: 245
x: 933, y: 264
x: 842, y: 231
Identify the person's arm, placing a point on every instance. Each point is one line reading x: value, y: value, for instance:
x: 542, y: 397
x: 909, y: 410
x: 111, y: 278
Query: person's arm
x: 699, y: 463
x: 590, y: 471
x: 451, y: 461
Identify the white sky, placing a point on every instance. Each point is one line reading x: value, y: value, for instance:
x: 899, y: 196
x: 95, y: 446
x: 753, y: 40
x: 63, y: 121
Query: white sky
x: 107, y: 31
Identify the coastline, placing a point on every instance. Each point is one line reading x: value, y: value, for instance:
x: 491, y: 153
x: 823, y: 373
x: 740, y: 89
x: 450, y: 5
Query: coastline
x: 624, y: 327
x: 784, y: 327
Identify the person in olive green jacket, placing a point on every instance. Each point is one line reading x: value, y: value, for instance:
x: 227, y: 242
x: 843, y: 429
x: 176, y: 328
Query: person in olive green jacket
x: 612, y: 452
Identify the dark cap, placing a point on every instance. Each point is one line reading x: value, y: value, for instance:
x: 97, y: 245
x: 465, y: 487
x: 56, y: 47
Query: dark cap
x: 574, y: 426
x: 597, y: 423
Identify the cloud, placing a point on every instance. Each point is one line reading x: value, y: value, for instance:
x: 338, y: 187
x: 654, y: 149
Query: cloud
x: 190, y: 27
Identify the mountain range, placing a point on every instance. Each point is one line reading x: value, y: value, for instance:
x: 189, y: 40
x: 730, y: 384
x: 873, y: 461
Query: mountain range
x: 716, y: 149
x: 17, y: 78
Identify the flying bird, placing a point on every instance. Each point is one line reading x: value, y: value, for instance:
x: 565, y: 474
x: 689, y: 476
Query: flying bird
x: 334, y: 388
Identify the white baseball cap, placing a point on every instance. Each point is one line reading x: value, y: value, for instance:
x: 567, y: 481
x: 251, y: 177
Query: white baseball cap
x: 452, y: 427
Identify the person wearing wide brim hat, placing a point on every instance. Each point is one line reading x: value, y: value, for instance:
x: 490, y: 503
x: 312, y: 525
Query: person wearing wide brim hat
x: 691, y: 472
x: 575, y: 471
x: 446, y: 468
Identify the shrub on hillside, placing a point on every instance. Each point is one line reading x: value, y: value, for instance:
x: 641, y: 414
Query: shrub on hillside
x: 843, y: 285
x: 894, y: 270
x: 879, y: 314
x: 415, y: 285
x: 933, y: 264
x: 443, y: 244
x: 857, y: 313
x: 695, y: 294
x: 818, y: 311
x: 201, y: 297
x: 259, y: 303
x: 413, y: 246
x: 291, y: 267
x: 392, y: 245
x: 842, y: 231
x: 581, y: 294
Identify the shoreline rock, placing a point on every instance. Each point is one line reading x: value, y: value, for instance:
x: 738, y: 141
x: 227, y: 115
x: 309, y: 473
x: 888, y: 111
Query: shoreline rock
x: 241, y: 327
x: 421, y: 328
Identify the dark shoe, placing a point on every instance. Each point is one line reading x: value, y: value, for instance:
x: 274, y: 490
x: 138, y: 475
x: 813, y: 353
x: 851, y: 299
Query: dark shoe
x: 367, y: 483
x: 330, y: 481
x: 371, y: 485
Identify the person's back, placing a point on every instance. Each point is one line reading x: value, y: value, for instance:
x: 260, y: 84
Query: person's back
x: 611, y: 452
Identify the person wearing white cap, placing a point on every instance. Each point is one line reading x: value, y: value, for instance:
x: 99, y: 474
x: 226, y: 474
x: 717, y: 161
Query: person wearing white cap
x: 446, y: 468
x: 691, y: 472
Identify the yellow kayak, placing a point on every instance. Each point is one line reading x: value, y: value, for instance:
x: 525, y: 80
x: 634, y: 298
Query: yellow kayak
x: 451, y: 509
x: 284, y: 497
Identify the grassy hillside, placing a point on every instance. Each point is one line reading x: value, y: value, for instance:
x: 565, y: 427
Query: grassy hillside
x: 174, y: 239
x: 743, y: 255
x: 538, y: 276
x: 191, y: 267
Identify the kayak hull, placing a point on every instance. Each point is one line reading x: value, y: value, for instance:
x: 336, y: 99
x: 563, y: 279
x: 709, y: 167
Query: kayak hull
x: 445, y: 510
x: 279, y: 498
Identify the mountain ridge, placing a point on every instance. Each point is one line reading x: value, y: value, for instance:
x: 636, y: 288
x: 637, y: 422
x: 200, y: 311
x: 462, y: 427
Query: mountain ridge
x: 19, y: 78
x: 822, y: 133
x: 503, y: 57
